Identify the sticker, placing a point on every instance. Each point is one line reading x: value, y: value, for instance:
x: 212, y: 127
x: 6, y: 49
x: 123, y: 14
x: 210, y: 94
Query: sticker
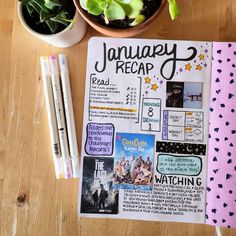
x: 193, y: 95
x: 194, y: 119
x: 99, y: 139
x: 152, y: 85
x: 183, y: 126
x: 97, y: 193
x: 151, y: 114
x: 176, y: 133
x: 184, y: 95
x: 176, y: 118
x: 193, y: 134
x: 179, y: 165
x: 133, y: 161
x: 175, y: 94
x: 181, y: 148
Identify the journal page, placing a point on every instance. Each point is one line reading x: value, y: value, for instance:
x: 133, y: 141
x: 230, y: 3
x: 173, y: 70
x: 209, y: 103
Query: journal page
x: 221, y: 190
x: 145, y: 130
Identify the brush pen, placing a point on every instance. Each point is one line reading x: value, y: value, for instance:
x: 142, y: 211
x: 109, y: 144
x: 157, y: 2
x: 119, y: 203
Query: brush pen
x: 70, y: 123
x: 56, y: 88
x: 51, y: 117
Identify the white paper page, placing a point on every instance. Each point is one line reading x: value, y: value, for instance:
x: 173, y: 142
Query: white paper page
x: 145, y: 130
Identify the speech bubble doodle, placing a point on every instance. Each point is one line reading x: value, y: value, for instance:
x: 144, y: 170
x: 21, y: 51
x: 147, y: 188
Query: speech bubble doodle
x: 179, y: 165
x: 99, y: 139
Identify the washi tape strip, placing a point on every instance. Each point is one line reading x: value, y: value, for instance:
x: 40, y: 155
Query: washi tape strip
x: 181, y: 148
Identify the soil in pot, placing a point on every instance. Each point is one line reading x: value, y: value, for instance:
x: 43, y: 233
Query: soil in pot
x: 149, y: 8
x: 42, y: 28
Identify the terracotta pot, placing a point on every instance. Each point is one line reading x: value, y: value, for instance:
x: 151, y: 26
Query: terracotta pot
x: 119, y: 33
x: 66, y: 38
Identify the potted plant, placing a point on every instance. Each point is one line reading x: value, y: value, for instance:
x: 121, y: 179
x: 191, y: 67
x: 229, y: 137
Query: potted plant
x: 54, y: 21
x: 123, y: 18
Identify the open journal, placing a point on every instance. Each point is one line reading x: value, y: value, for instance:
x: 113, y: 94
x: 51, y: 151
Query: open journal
x: 159, y: 131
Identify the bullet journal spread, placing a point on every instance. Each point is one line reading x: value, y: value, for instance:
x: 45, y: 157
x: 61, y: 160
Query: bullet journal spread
x: 148, y: 152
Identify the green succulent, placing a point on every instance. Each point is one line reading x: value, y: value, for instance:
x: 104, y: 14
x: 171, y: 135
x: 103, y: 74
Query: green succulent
x: 173, y: 9
x: 53, y: 14
x: 121, y: 9
x: 115, y: 9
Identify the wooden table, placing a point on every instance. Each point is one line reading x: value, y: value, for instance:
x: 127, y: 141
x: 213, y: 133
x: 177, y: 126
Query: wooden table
x: 32, y: 201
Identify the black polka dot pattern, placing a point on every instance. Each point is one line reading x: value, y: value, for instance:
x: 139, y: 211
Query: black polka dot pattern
x: 221, y: 189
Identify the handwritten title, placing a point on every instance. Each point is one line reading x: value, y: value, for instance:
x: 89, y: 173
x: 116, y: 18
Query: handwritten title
x: 128, y: 59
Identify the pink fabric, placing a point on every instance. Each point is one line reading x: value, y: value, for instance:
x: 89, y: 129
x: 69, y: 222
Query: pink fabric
x: 221, y: 190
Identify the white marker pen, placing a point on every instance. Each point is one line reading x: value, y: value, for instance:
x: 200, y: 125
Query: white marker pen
x: 58, y: 164
x: 60, y: 116
x: 70, y: 123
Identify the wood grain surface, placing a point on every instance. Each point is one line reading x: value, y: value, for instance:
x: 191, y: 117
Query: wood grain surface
x: 32, y: 201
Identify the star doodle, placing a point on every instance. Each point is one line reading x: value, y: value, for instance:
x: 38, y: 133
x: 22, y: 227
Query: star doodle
x: 154, y: 87
x: 198, y: 67
x: 147, y: 80
x: 201, y: 57
x: 188, y: 67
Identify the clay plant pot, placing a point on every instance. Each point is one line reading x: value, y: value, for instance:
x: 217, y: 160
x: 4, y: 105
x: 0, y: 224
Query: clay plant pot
x: 118, y: 33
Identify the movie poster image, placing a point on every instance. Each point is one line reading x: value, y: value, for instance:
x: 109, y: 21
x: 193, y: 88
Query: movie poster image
x: 133, y: 162
x: 97, y: 191
x: 184, y: 94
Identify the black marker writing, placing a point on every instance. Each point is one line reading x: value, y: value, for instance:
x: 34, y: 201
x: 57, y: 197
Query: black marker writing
x: 132, y: 53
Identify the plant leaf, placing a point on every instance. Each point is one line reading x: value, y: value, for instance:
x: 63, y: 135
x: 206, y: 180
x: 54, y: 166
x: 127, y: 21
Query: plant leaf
x: 30, y: 10
x: 38, y: 5
x: 114, y: 11
x: 138, y: 20
x: 50, y: 13
x: 133, y: 9
x: 24, y: 2
x: 124, y: 1
x: 95, y: 7
x: 35, y: 6
x: 83, y: 4
x: 45, y: 16
x: 51, y: 4
x: 173, y: 9
x: 62, y: 18
x: 52, y: 25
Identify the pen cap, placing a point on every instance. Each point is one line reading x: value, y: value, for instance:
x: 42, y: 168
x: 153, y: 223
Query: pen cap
x: 58, y: 163
x: 67, y: 168
x: 63, y: 62
x: 75, y: 167
x: 45, y: 66
x: 53, y: 65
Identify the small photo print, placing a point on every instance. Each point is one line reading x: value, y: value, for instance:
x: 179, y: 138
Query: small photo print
x: 175, y: 94
x: 193, y: 95
x: 184, y: 95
